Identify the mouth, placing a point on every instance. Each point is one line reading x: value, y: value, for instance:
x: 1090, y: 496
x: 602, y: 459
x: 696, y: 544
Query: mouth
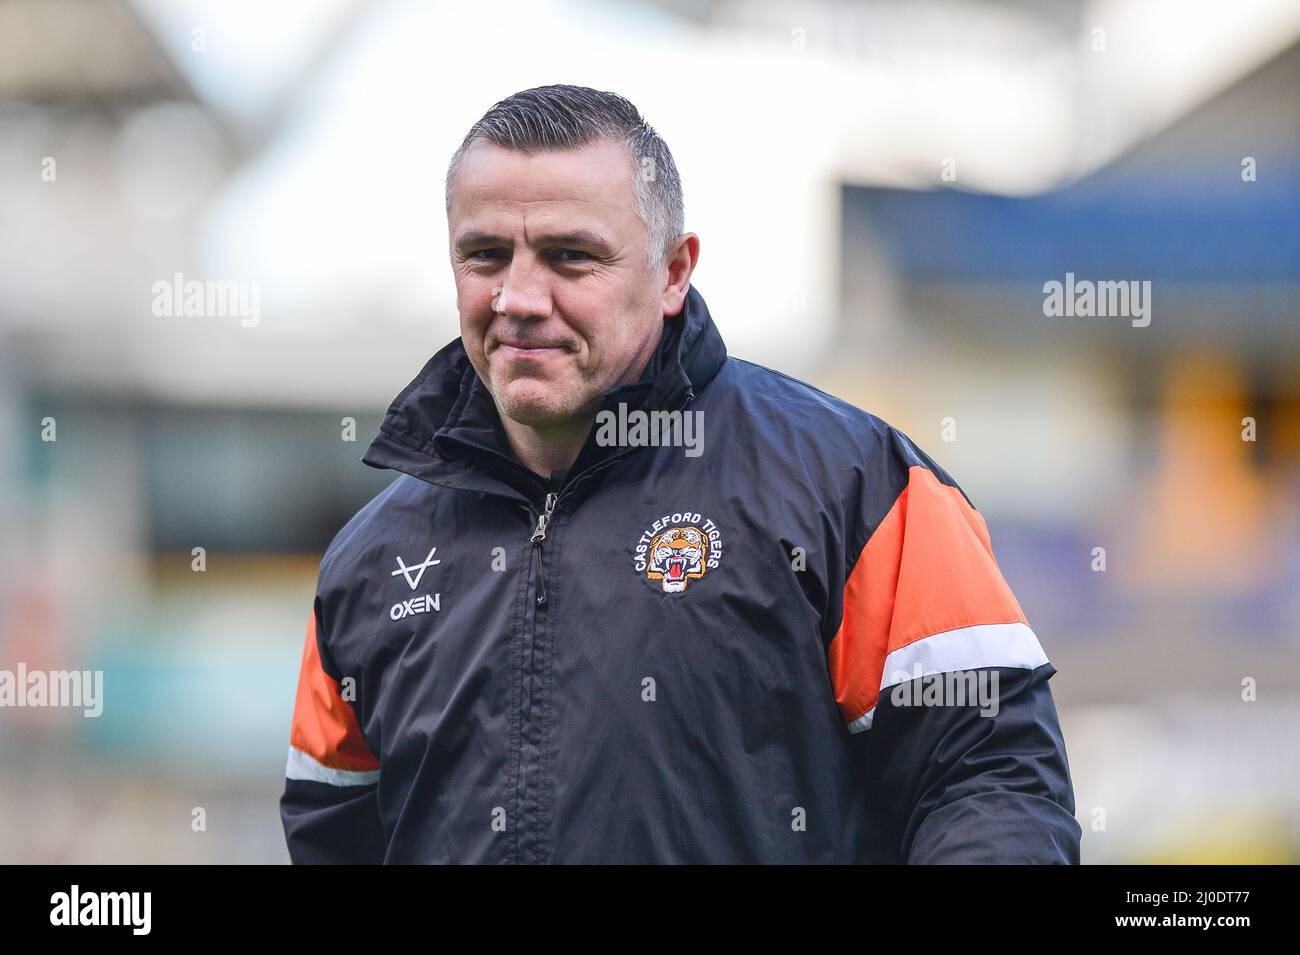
x: 676, y: 568
x: 528, y: 349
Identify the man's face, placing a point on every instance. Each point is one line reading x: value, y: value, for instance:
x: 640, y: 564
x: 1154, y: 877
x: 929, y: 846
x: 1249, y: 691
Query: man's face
x: 557, y: 302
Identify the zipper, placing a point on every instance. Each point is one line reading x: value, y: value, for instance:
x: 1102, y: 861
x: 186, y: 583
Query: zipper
x: 532, y: 720
x: 540, y: 600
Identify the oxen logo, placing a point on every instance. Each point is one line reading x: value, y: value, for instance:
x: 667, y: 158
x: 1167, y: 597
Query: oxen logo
x: 677, y: 549
x: 417, y: 569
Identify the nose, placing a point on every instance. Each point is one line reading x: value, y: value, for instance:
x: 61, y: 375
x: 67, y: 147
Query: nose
x: 525, y: 293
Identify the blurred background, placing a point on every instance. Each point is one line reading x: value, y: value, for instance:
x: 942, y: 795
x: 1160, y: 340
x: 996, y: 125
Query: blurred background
x: 882, y: 190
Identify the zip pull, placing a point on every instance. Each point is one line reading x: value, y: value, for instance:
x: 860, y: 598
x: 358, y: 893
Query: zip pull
x: 543, y: 520
x: 538, y: 537
x: 540, y: 584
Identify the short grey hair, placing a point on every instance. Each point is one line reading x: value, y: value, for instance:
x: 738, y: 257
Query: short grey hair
x: 558, y: 118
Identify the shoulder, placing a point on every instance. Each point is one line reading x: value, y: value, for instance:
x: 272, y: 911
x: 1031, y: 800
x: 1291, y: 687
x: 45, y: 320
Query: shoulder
x: 822, y: 427
x: 365, y: 535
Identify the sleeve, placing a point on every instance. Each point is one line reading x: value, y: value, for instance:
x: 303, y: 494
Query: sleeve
x: 943, y: 684
x: 329, y: 809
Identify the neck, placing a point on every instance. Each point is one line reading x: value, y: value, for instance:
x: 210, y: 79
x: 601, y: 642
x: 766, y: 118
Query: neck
x: 546, y: 449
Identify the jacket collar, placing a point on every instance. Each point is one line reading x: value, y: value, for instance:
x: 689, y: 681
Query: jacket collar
x: 444, y: 427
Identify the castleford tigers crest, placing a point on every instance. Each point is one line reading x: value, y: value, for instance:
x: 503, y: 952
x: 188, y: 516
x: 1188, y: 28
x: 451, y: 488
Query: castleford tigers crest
x: 677, y: 549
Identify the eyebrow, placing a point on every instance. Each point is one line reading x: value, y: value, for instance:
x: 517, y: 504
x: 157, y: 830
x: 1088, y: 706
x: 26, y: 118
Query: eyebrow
x: 580, y: 237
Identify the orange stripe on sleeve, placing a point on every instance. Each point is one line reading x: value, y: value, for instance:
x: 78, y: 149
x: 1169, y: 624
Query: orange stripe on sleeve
x: 928, y: 568
x: 325, y: 726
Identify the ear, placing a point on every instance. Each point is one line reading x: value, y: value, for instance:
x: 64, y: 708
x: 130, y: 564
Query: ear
x: 680, y: 264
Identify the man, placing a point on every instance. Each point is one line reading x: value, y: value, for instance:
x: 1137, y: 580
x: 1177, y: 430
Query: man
x: 559, y: 636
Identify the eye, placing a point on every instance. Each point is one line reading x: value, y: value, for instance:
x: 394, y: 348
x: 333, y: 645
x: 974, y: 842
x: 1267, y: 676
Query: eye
x: 575, y: 252
x: 483, y: 255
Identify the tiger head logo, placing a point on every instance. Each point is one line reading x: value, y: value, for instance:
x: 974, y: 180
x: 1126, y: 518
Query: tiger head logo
x: 677, y: 556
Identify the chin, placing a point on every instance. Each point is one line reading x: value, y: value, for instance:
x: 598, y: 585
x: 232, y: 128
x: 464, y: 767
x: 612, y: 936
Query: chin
x: 538, y: 405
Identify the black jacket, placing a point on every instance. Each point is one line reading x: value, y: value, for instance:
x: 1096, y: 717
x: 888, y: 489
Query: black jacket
x: 757, y: 653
